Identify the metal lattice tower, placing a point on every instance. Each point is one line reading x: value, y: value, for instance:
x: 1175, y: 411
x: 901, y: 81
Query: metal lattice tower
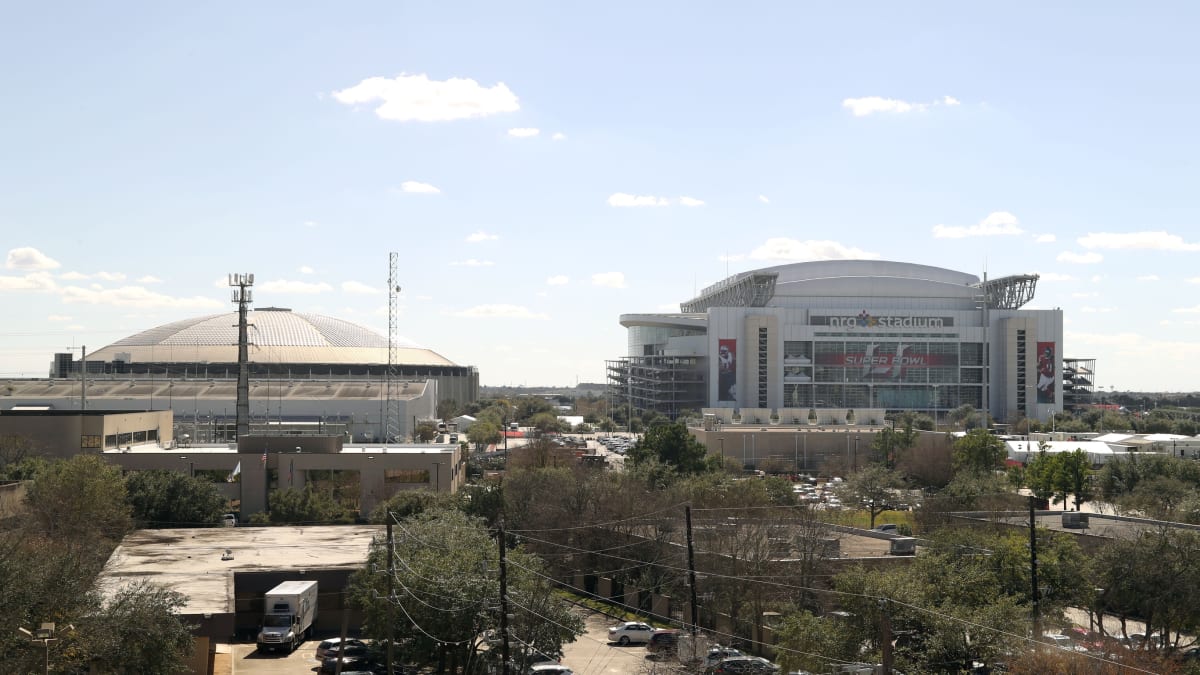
x: 391, y: 424
x: 243, y: 297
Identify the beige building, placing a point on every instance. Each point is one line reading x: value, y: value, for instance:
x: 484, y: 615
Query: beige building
x: 259, y: 463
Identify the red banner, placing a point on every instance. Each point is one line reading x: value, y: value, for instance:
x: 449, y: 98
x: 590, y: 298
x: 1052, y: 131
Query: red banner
x: 1047, y: 379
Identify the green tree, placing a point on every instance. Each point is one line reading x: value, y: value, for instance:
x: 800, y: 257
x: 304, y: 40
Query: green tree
x: 139, y: 630
x: 483, y: 433
x: 978, y: 452
x: 447, y: 583
x: 296, y: 506
x: 1072, y: 477
x: 673, y: 446
x: 889, y: 443
x: 872, y: 487
x: 78, y: 499
x: 161, y: 498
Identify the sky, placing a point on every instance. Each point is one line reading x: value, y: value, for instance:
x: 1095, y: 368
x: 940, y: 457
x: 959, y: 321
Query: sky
x: 543, y: 167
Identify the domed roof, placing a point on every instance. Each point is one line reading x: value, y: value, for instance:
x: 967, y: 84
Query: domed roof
x: 276, y: 336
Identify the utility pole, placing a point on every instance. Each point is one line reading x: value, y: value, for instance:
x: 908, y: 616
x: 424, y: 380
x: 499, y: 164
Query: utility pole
x: 885, y: 635
x: 687, y: 511
x: 503, y: 599
x: 391, y: 573
x: 83, y: 378
x: 243, y: 296
x: 1037, y: 610
x: 391, y: 414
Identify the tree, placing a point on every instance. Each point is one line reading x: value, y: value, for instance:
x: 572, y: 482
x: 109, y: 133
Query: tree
x: 1073, y: 477
x: 890, y: 443
x: 446, y: 572
x: 872, y: 486
x: 161, y: 498
x: 297, y: 506
x: 78, y: 499
x: 139, y: 630
x: 425, y: 432
x: 978, y: 452
x: 483, y: 433
x: 673, y: 446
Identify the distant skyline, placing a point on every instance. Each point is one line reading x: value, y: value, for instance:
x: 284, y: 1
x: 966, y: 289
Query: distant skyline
x: 544, y: 168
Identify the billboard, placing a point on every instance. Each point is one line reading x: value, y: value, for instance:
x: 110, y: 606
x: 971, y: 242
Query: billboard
x: 885, y: 361
x: 1046, y: 372
x: 727, y: 369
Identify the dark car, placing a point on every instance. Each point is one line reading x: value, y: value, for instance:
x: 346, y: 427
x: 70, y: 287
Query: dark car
x: 663, y: 641
x: 353, y: 657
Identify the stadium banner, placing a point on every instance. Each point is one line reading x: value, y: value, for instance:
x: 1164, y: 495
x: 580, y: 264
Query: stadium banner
x: 727, y: 369
x: 1047, y: 391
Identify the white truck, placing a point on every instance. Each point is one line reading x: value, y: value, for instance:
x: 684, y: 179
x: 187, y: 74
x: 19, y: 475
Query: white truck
x: 289, y: 614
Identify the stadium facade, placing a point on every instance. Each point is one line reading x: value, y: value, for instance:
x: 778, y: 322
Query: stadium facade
x: 851, y: 334
x: 309, y: 373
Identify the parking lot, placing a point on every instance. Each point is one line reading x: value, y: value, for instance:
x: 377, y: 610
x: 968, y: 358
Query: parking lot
x: 590, y: 654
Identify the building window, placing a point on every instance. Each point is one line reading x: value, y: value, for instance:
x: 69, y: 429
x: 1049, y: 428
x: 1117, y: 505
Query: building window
x: 762, y: 367
x: 90, y: 442
x: 407, y: 476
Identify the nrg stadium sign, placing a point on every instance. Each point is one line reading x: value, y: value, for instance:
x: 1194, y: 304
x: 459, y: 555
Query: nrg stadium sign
x: 865, y: 320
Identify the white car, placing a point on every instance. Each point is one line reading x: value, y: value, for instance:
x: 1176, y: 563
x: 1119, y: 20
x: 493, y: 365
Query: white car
x: 629, y: 632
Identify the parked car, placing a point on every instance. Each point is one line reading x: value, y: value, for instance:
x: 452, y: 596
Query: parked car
x: 629, y: 632
x: 744, y: 664
x: 549, y: 669
x: 717, y: 653
x: 353, y: 657
x: 890, y: 528
x: 663, y: 641
x: 334, y: 644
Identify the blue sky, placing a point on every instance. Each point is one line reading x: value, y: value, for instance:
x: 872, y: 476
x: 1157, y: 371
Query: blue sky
x: 148, y: 149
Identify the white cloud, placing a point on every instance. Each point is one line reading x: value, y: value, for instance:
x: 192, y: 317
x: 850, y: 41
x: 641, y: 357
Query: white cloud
x: 558, y: 136
x: 1054, y: 276
x: 110, y: 276
x: 149, y: 279
x: 1187, y: 310
x: 1193, y: 280
x: 305, y: 269
x: 476, y: 237
x: 310, y: 223
x: 783, y: 248
x: 499, y: 312
x: 609, y: 279
x: 524, y: 132
x: 359, y: 288
x: 763, y: 199
x: 1097, y: 278
x: 135, y: 296
x: 418, y: 187
x: 1137, y: 240
x: 620, y: 199
x: 58, y: 317
x: 869, y: 105
x: 1151, y: 277
x: 73, y: 276
x: 28, y: 259
x: 302, y: 287
x: 1089, y: 258
x: 997, y: 223
x: 38, y: 281
x: 688, y: 201
x: 408, y: 98
x: 1045, y: 239
x: 472, y: 262
x: 557, y: 280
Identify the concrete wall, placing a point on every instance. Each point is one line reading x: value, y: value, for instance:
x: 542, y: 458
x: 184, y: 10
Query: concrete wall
x: 11, y: 497
x: 63, y: 435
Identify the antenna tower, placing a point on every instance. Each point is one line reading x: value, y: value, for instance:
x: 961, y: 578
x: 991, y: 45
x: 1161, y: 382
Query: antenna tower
x: 391, y: 432
x: 243, y: 296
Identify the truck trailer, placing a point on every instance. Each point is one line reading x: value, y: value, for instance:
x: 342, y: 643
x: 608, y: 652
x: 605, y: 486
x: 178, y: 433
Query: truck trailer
x: 290, y: 611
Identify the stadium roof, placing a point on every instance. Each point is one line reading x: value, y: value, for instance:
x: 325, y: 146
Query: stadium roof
x: 276, y: 336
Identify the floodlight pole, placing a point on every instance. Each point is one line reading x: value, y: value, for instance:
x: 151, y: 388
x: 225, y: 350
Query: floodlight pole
x: 242, y: 295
